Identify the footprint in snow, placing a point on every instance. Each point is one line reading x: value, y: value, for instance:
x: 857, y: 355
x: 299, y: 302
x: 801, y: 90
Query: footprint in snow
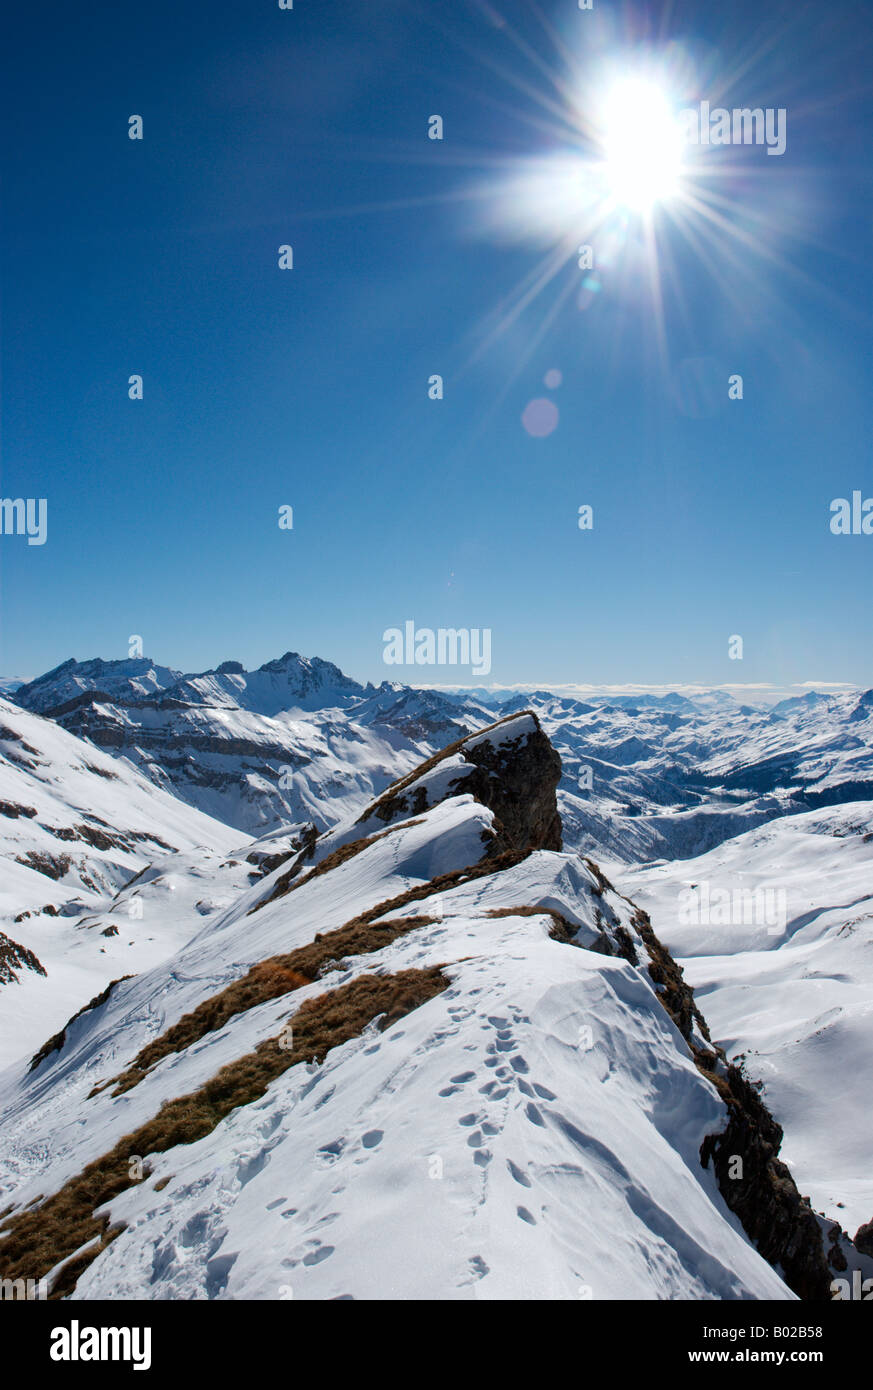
x: 329, y: 1153
x: 372, y: 1138
x: 315, y: 1257
x: 520, y: 1177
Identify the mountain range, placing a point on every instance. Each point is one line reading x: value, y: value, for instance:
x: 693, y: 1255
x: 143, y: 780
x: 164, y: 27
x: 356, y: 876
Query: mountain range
x: 379, y: 991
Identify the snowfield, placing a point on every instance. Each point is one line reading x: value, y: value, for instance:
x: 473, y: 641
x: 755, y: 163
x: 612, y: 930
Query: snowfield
x: 532, y: 1132
x: 534, y: 1128
x: 800, y: 1002
x: 85, y: 825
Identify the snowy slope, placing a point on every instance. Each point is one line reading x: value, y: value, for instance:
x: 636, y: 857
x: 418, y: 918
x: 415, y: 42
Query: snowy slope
x: 533, y: 1130
x: 76, y: 826
x: 798, y: 1000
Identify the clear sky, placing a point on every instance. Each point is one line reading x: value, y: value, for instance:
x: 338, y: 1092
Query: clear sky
x: 309, y: 387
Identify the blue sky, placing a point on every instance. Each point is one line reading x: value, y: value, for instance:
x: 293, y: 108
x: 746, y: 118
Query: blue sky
x: 309, y: 387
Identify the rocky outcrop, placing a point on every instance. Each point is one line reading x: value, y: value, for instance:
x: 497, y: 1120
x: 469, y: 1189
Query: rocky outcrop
x: 756, y: 1185
x: 759, y: 1188
x: 863, y: 1240
x: 509, y: 766
x: 753, y: 1180
x: 14, y: 956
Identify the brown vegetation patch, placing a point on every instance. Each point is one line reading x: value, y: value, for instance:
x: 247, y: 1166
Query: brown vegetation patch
x: 275, y: 976
x: 36, y: 1240
x: 269, y: 979
x: 560, y: 930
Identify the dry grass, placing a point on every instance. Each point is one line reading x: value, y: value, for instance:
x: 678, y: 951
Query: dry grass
x: 560, y: 930
x: 281, y: 974
x: 37, y: 1239
x: 269, y: 979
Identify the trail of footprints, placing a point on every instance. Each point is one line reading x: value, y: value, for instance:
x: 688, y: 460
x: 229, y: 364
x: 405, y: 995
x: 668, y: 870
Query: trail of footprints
x: 509, y: 1080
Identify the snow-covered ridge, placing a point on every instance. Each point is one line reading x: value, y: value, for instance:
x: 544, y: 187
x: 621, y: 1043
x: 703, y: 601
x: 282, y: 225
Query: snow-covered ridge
x: 533, y: 1130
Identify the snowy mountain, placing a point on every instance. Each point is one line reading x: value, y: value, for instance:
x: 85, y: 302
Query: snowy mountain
x: 669, y: 778
x: 76, y: 829
x: 134, y: 895
x: 293, y: 743
x: 430, y: 1053
x: 296, y: 742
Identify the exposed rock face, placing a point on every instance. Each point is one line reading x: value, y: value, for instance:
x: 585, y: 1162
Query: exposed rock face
x: 14, y: 956
x: 760, y: 1190
x: 775, y: 1217
x: 864, y: 1239
x: 510, y: 767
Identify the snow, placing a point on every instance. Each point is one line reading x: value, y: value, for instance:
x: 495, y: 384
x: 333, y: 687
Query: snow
x: 488, y: 1145
x: 533, y: 1131
x: 70, y: 785
x: 799, y: 1003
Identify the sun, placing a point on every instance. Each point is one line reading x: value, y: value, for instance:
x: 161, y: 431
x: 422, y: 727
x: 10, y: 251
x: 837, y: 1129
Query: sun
x: 642, y: 145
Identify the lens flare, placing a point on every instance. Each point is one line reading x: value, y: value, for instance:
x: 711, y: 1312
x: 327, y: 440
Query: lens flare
x: 642, y: 143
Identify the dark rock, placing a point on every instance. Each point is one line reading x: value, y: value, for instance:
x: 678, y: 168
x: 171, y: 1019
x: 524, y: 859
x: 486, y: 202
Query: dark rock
x: 515, y: 777
x: 864, y: 1238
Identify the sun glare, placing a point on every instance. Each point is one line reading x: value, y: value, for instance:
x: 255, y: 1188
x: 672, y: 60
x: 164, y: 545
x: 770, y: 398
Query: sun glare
x: 642, y: 145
